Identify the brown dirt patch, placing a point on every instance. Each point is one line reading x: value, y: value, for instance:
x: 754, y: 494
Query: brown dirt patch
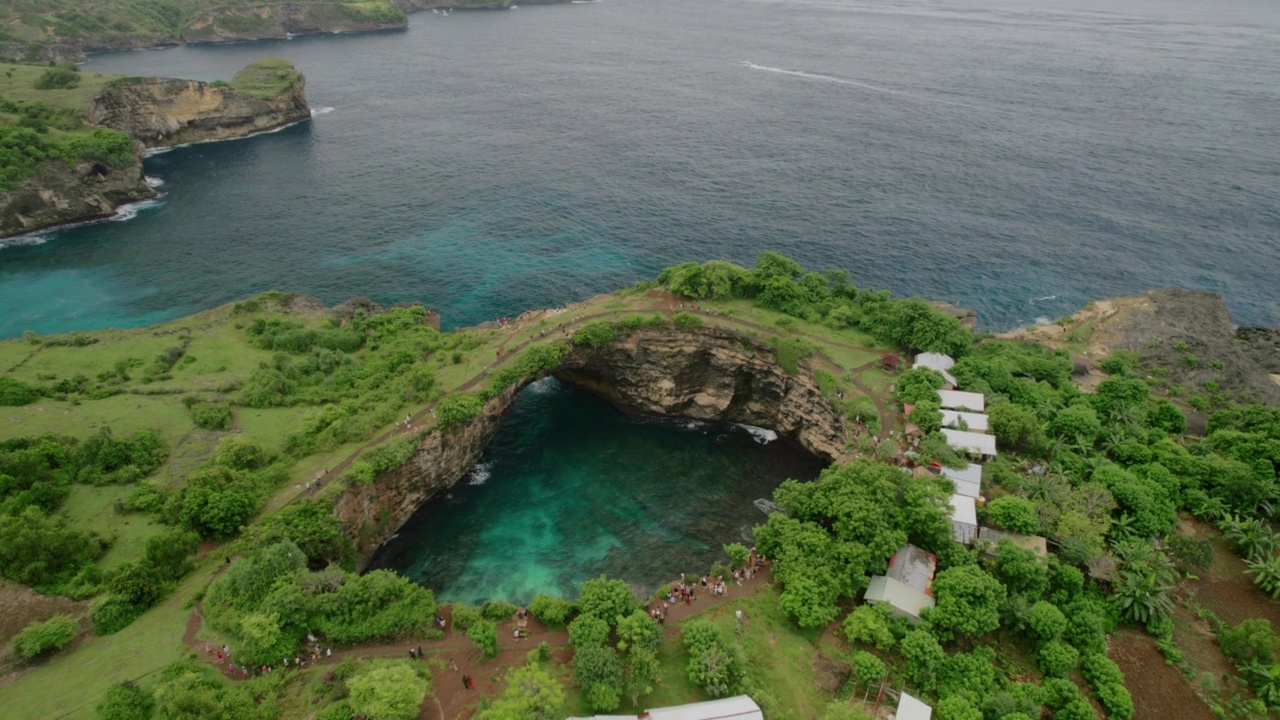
x: 1225, y: 589
x: 1159, y: 691
x: 829, y: 674
x: 20, y: 606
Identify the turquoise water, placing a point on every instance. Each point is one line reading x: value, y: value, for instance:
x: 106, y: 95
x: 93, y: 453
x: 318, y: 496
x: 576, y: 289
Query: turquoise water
x: 572, y: 488
x: 1019, y: 158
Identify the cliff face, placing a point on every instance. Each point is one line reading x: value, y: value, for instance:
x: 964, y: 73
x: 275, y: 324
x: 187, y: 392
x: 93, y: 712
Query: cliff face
x: 160, y: 111
x: 61, y: 194
x: 705, y: 374
x: 709, y: 374
x: 280, y: 21
x: 372, y: 513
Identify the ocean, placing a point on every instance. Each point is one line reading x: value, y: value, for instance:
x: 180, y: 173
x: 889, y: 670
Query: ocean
x: 1018, y: 158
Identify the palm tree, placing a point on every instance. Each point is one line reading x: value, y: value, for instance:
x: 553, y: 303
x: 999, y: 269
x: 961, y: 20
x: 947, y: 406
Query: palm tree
x: 1266, y: 575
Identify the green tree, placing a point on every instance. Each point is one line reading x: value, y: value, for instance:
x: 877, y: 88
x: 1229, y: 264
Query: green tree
x: 1047, y: 621
x: 1078, y: 424
x: 170, y: 553
x: 714, y: 664
x: 598, y: 672
x: 531, y: 694
x: 606, y: 599
x: 924, y: 658
x: 458, y: 408
x: 588, y: 630
x: 1056, y: 658
x: 639, y: 672
x: 1014, y: 514
x: 870, y: 624
x: 1016, y: 428
x: 968, y: 602
x: 1252, y: 640
x: 485, y: 636
x: 388, y: 691
x: 1020, y: 570
x: 918, y: 385
x: 638, y: 631
x: 238, y: 453
x: 555, y: 612
x: 126, y: 701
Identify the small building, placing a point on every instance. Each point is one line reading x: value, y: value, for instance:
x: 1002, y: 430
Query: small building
x: 976, y: 422
x: 740, y: 707
x: 910, y: 708
x: 989, y: 538
x: 964, y: 519
x: 907, y: 586
x: 957, y: 400
x: 972, y: 442
x: 889, y: 362
x: 939, y: 362
x: 968, y: 479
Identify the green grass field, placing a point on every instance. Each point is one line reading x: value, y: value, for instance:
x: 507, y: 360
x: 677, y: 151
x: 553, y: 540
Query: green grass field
x: 17, y: 83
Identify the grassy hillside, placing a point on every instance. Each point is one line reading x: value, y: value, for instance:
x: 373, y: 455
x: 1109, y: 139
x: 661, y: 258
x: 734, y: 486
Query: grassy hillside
x: 266, y: 79
x: 137, y: 23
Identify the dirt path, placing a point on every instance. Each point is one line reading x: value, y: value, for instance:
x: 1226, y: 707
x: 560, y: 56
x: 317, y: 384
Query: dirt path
x: 666, y: 304
x: 456, y: 655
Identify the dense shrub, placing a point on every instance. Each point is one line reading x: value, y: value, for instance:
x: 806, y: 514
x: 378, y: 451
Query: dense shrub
x: 552, y: 611
x: 588, y: 630
x: 39, y: 552
x: 595, y: 334
x: 869, y: 624
x: 715, y: 665
x: 598, y: 672
x: 61, y: 77
x: 389, y: 690
x: 464, y: 616
x: 1014, y: 514
x: 126, y: 701
x: 39, y: 638
x: 458, y: 408
x: 1106, y: 680
x: 606, y: 599
x: 485, y: 636
x: 314, y: 528
x: 211, y: 415
x: 14, y: 392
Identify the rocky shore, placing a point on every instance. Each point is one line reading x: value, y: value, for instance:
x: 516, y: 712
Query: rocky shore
x: 155, y: 112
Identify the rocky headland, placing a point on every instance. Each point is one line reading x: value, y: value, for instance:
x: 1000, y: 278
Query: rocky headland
x: 154, y: 112
x: 706, y: 374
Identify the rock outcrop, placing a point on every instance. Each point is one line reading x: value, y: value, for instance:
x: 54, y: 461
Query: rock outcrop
x: 60, y: 193
x: 704, y: 374
x: 270, y: 21
x: 162, y: 111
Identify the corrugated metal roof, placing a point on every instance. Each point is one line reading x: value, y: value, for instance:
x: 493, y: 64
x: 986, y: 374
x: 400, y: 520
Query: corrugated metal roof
x: 938, y: 361
x: 964, y: 510
x: 898, y: 594
x: 973, y: 421
x: 968, y: 479
x: 957, y: 400
x: 970, y: 441
x: 913, y: 567
x: 739, y: 707
x: 910, y: 708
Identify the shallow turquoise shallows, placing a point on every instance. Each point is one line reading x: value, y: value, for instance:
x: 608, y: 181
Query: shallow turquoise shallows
x: 571, y: 488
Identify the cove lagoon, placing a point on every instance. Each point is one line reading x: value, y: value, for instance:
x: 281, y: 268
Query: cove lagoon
x: 572, y: 488
x: 1020, y: 159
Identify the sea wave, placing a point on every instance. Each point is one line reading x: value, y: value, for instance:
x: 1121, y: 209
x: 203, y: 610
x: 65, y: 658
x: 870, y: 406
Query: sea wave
x: 129, y: 211
x: 321, y: 111
x: 479, y: 473
x: 150, y: 152
x: 154, y: 182
x: 36, y: 238
x: 764, y: 436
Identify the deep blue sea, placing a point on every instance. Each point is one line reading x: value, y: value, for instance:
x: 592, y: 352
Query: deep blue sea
x: 1016, y: 157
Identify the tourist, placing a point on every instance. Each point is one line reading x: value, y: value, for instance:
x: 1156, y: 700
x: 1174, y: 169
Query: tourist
x: 286, y: 662
x: 419, y: 651
x: 466, y: 681
x: 328, y: 652
x: 208, y: 649
x: 440, y: 622
x: 407, y: 419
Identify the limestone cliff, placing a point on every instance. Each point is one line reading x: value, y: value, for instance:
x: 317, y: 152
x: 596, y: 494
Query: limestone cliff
x: 162, y: 111
x: 268, y: 21
x: 62, y: 193
x: 710, y: 374
x: 706, y: 374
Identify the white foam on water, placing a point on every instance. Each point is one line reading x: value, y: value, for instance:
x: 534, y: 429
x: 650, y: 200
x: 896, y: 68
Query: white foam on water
x: 541, y: 387
x: 1042, y: 320
x: 36, y: 238
x: 846, y: 81
x: 154, y: 182
x: 479, y: 473
x: 129, y: 211
x: 321, y: 111
x: 764, y: 436
x: 160, y: 150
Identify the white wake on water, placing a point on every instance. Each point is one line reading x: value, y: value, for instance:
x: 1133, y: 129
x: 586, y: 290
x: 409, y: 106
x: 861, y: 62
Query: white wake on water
x: 321, y: 111
x: 846, y: 81
x: 129, y: 211
x: 764, y: 436
x: 154, y: 182
x: 479, y: 473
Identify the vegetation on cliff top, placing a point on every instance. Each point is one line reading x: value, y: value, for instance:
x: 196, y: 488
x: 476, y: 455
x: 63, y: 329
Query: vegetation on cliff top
x: 135, y: 23
x: 41, y: 121
x: 266, y: 78
x: 213, y: 420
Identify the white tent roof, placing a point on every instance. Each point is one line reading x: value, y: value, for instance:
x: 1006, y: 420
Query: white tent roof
x: 910, y: 708
x: 957, y: 400
x: 740, y: 707
x: 965, y: 510
x: 975, y: 421
x: 938, y: 361
x: 968, y: 480
x: 970, y: 441
x: 898, y: 594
